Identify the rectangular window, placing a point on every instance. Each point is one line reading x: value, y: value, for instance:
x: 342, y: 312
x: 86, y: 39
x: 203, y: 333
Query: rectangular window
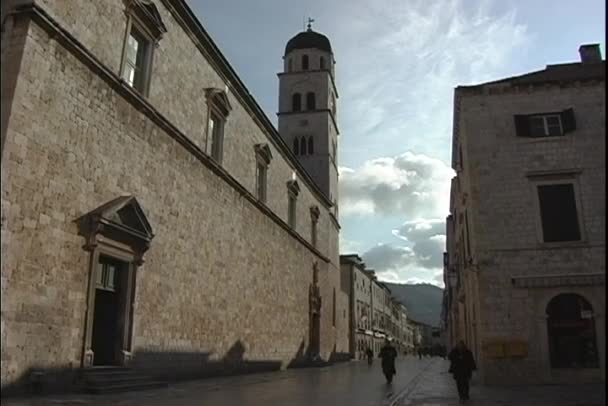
x: 291, y: 211
x: 216, y: 131
x: 261, y: 181
x: 136, y: 60
x: 105, y: 276
x: 558, y: 212
x: 546, y: 124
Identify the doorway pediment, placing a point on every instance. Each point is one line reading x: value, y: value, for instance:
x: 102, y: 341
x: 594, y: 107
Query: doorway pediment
x: 122, y: 220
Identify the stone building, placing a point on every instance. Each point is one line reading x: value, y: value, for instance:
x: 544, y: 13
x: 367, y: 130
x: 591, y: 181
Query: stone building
x: 374, y: 314
x: 424, y: 333
x: 360, y: 282
x: 152, y: 215
x: 525, y: 262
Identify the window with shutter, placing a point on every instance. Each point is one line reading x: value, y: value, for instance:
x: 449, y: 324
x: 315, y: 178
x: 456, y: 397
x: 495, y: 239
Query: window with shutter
x: 545, y: 124
x: 568, y: 120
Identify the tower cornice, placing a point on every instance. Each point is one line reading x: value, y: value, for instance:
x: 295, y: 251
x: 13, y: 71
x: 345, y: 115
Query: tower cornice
x: 293, y: 113
x: 333, y: 82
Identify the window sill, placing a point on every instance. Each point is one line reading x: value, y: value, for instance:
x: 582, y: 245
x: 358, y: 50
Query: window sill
x: 563, y: 244
x: 533, y: 140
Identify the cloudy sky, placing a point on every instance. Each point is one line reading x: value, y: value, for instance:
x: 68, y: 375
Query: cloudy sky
x: 397, y: 63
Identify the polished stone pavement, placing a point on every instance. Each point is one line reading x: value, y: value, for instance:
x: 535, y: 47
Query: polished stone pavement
x: 435, y: 387
x: 352, y: 383
x: 418, y: 383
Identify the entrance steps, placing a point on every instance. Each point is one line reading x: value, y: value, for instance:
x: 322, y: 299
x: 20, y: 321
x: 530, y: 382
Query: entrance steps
x: 99, y: 380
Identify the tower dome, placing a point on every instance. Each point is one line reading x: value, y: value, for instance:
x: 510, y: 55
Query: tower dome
x: 308, y: 39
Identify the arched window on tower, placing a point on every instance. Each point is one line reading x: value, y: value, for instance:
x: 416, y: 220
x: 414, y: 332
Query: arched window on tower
x: 304, y: 62
x: 310, y: 101
x: 289, y: 64
x: 303, y: 145
x: 296, y: 146
x: 322, y: 63
x: 571, y: 331
x: 311, y: 147
x: 296, y: 102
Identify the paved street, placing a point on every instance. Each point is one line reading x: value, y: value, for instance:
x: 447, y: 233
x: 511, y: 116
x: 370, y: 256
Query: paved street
x: 435, y: 387
x: 353, y: 383
x: 418, y: 383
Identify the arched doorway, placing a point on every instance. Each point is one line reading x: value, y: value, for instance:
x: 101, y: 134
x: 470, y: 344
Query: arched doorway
x: 571, y: 332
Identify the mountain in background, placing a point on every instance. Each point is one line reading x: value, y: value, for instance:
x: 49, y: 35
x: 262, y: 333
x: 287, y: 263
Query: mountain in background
x: 423, y: 301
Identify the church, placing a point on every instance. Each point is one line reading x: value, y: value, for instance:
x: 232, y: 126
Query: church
x: 153, y: 218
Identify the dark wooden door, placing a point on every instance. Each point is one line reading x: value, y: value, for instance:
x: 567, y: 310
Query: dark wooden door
x: 106, y: 320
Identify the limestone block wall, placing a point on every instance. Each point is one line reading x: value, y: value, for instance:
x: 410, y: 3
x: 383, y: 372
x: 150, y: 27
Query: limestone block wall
x: 506, y: 237
x: 219, y: 271
x: 181, y: 71
x: 497, y: 162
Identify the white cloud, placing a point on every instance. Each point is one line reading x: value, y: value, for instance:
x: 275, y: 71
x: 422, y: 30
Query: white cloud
x: 410, y: 184
x: 417, y: 259
x: 348, y: 246
x: 399, y: 62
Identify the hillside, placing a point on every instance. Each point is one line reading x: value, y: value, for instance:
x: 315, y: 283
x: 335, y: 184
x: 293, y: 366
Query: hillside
x: 422, y: 300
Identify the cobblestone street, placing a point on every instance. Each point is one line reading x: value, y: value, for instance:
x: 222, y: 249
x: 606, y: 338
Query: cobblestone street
x: 418, y: 383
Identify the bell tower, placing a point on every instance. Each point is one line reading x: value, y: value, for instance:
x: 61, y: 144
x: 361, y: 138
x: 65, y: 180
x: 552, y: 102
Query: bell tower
x: 308, y: 110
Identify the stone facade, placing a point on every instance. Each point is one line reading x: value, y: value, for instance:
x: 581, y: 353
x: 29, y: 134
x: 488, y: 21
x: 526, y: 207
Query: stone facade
x: 222, y: 279
x: 374, y: 314
x: 502, y: 271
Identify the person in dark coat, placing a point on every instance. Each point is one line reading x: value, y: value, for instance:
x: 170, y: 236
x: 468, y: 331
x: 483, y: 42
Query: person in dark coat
x: 462, y: 366
x: 370, y: 355
x: 388, y: 355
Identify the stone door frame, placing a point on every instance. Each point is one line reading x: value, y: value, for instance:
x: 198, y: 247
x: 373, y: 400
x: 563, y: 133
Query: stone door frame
x: 117, y: 251
x: 119, y: 230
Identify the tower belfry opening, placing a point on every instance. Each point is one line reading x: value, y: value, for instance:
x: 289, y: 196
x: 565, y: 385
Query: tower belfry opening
x: 307, y: 107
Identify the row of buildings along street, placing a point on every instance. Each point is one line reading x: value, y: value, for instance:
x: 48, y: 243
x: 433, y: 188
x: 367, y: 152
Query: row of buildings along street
x: 157, y: 226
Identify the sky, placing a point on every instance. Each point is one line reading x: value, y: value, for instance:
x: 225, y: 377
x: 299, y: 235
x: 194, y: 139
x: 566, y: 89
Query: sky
x: 397, y: 64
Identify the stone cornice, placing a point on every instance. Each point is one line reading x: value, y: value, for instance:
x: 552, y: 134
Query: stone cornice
x: 328, y: 111
x: 63, y: 37
x: 548, y: 281
x: 333, y: 82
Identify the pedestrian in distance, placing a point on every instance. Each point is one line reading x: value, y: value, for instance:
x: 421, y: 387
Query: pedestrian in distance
x: 462, y: 365
x: 388, y: 355
x: 419, y: 353
x: 370, y: 356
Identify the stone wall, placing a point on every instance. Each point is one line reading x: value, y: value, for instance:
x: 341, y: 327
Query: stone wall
x: 221, y: 272
x: 498, y: 190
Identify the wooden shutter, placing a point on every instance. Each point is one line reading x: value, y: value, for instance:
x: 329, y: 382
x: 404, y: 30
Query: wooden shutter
x: 568, y: 120
x: 522, y: 125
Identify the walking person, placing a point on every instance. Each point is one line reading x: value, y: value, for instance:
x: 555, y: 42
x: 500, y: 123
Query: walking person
x: 462, y: 366
x: 388, y: 355
x: 370, y: 355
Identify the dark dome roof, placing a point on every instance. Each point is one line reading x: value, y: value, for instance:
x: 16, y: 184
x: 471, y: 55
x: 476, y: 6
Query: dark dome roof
x: 308, y: 39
